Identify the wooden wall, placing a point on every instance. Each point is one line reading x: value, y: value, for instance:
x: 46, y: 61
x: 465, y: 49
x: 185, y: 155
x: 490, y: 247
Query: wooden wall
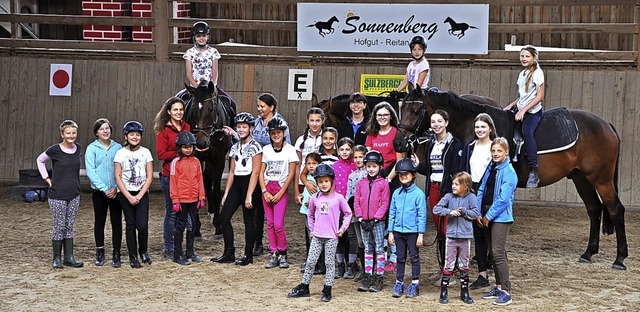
x: 126, y: 90
x: 507, y: 12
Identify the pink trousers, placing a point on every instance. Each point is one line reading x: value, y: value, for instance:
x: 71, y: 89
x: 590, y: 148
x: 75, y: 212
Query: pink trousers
x: 274, y: 212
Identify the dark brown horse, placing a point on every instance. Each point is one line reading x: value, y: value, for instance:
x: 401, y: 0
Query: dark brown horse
x: 207, y: 114
x: 337, y: 107
x: 592, y: 163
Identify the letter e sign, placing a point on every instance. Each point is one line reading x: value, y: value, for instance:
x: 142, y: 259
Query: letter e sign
x: 300, y: 84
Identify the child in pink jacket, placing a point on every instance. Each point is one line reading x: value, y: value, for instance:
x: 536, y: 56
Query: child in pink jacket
x: 325, y: 207
x: 370, y: 205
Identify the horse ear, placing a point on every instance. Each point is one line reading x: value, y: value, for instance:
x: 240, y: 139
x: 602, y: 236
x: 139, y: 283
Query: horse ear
x: 314, y: 100
x: 411, y: 88
x: 211, y: 87
x: 189, y: 88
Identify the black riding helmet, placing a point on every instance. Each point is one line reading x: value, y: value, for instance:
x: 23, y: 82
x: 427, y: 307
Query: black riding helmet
x: 373, y: 156
x: 132, y: 126
x: 418, y: 40
x: 185, y: 138
x: 244, y: 117
x: 277, y: 123
x: 200, y: 28
x: 406, y: 165
x: 324, y: 170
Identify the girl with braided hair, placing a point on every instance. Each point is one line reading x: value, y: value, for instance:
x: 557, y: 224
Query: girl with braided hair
x: 309, y: 142
x: 529, y: 106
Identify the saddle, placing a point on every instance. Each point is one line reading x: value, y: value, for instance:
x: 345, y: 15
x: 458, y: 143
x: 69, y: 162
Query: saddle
x: 556, y: 132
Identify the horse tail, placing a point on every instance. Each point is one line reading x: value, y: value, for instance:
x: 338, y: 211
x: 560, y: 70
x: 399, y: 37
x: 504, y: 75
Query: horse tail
x: 473, y: 27
x: 607, y: 224
x: 312, y: 25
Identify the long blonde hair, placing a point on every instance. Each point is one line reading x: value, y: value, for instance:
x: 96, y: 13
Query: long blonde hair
x: 534, y: 52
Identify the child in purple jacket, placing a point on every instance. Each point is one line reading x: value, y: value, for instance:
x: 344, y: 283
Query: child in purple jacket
x: 325, y: 229
x: 370, y: 205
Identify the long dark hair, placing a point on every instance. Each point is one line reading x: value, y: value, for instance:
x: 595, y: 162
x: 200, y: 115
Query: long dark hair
x: 270, y: 100
x: 311, y: 111
x: 162, y: 118
x: 373, y: 127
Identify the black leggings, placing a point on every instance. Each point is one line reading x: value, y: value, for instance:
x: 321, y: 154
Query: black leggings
x: 258, y: 210
x: 235, y: 197
x: 101, y: 203
x: 137, y: 220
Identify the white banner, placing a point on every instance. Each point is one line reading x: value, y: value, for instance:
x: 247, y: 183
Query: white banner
x: 60, y: 79
x: 300, y: 84
x: 388, y: 28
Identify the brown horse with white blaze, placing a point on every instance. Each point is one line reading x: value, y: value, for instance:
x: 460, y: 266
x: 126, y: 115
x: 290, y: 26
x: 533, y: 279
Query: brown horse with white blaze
x: 591, y: 163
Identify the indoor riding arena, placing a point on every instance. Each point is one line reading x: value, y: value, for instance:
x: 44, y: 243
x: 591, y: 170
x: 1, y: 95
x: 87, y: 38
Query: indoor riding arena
x: 126, y: 60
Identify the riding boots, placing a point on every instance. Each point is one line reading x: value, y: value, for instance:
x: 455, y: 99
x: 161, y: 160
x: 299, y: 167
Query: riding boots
x: 191, y: 253
x: 464, y: 288
x: 57, y: 254
x: 69, y: 260
x: 533, y: 178
x: 227, y: 257
x: 444, y: 284
x: 99, y: 256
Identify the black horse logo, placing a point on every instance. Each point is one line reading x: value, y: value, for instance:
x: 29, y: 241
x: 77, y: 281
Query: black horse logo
x: 458, y: 27
x: 325, y: 26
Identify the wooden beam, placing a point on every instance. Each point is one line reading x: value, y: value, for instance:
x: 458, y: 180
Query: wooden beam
x: 54, y: 19
x: 490, y: 2
x: 236, y: 24
x: 161, y: 30
x: 107, y: 46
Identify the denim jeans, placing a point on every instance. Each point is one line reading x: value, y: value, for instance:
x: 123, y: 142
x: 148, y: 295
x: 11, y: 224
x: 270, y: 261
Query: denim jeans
x: 169, y: 216
x: 529, y: 125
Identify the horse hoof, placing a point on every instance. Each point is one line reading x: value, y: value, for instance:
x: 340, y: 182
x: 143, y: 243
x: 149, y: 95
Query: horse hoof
x: 584, y: 260
x: 619, y: 266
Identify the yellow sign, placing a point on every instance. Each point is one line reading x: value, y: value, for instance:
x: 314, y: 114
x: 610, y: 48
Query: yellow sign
x: 374, y: 84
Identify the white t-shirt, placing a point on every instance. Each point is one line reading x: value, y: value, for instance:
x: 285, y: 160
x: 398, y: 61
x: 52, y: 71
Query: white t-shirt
x: 243, y: 156
x: 202, y: 62
x: 413, y: 72
x: 436, y: 162
x: 278, y: 163
x: 134, y: 167
x: 479, y: 161
x: 311, y: 144
x: 537, y: 79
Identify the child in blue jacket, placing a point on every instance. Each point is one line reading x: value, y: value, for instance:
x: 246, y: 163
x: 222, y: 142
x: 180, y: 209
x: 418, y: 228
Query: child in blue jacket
x: 461, y: 209
x: 407, y: 225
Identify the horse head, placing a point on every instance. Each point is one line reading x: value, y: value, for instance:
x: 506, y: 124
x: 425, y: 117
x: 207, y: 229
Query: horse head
x: 204, y: 116
x: 415, y: 112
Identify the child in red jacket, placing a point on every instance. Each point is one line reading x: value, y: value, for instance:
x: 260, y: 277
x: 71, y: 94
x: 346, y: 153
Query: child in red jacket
x: 187, y: 195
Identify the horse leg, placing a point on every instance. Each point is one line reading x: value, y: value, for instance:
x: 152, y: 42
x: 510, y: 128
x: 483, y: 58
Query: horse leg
x: 594, y: 206
x: 616, y: 210
x: 214, y: 206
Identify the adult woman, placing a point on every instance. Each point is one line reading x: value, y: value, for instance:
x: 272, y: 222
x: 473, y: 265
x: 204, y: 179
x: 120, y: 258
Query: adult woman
x: 495, y: 196
x: 99, y: 165
x: 442, y: 161
x: 267, y: 109
x: 168, y: 123
x: 384, y: 137
x: 64, y: 191
x: 354, y: 126
x: 475, y: 159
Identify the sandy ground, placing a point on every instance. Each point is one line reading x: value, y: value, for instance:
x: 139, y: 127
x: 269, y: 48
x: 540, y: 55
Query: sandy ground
x: 543, y: 255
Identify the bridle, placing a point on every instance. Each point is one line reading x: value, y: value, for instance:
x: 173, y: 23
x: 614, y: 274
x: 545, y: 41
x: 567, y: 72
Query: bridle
x: 210, y: 130
x: 413, y: 138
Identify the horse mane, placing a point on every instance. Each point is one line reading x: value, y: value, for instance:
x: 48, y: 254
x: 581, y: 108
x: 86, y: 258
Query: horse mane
x: 503, y: 120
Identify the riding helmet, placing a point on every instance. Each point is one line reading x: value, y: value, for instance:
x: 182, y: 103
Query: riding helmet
x: 406, y: 165
x: 200, y: 28
x: 324, y: 170
x: 185, y: 138
x: 277, y: 123
x: 244, y: 117
x: 418, y: 40
x: 132, y: 126
x: 373, y: 156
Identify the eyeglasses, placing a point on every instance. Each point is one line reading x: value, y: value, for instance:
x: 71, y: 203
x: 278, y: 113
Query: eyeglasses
x: 383, y: 115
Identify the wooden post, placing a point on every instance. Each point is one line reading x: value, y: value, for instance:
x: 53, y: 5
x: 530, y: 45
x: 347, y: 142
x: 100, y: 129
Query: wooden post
x: 248, y: 85
x: 16, y: 32
x: 161, y: 29
x: 636, y: 19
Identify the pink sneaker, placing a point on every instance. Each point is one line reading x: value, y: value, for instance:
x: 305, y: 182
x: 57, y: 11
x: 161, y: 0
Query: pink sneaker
x: 389, y: 266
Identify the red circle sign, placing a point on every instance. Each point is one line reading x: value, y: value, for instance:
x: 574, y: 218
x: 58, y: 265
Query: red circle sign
x: 60, y: 78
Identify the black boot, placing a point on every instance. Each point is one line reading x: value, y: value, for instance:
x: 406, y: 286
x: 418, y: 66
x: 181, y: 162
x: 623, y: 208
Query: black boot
x: 361, y: 257
x: 302, y: 290
x: 326, y: 293
x: 376, y: 285
x: 144, y: 255
x: 133, y: 261
x: 191, y: 253
x: 178, y: 257
x: 227, y: 257
x: 69, y: 260
x: 57, y: 254
x: 365, y: 282
x: 244, y: 260
x: 339, y: 272
x: 116, y: 262
x: 99, y: 256
x: 444, y: 284
x: 464, y: 288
